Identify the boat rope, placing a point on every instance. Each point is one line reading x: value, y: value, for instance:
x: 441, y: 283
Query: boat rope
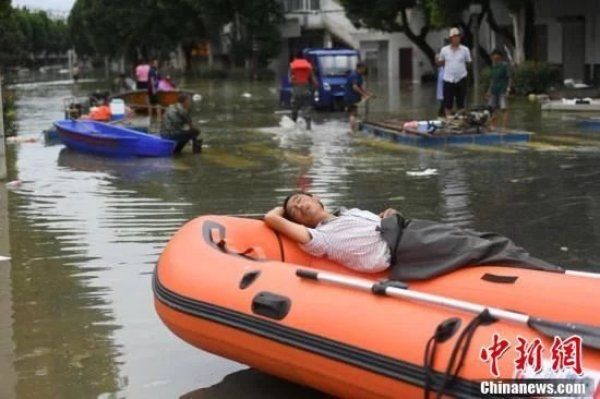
x: 461, y: 347
x: 444, y: 331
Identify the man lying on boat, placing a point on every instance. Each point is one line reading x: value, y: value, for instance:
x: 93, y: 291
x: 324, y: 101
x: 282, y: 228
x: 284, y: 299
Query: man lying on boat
x: 412, y: 249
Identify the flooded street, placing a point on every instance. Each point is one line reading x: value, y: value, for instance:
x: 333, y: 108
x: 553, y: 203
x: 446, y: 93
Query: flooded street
x: 85, y: 232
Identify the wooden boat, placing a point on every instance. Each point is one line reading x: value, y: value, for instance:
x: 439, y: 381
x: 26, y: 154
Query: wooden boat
x: 110, y: 140
x: 233, y: 287
x: 395, y: 132
x: 138, y: 99
x: 585, y: 104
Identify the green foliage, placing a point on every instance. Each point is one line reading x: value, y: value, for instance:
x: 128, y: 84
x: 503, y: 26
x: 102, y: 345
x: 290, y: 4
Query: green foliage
x: 379, y: 14
x: 156, y: 27
x: 535, y: 77
x: 26, y: 35
x: 530, y: 77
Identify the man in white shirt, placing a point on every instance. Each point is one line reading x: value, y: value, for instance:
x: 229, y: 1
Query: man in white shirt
x: 411, y: 249
x: 454, y: 58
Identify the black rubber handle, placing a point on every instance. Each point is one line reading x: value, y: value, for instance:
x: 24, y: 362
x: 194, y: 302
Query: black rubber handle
x: 308, y: 274
x: 271, y: 305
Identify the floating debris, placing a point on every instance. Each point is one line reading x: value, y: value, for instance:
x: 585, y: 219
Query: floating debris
x: 564, y: 249
x: 21, y: 139
x: 246, y: 95
x: 422, y: 173
x: 14, y: 184
x: 197, y: 98
x: 4, y: 258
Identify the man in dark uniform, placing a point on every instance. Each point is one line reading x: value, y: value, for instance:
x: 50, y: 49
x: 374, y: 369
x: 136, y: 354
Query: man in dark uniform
x: 153, y: 79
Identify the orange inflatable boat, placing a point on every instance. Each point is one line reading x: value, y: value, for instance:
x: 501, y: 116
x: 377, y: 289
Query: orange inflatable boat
x: 234, y: 287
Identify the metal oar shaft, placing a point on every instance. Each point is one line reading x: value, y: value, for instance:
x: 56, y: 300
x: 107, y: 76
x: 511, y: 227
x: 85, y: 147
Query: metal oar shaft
x: 590, y: 334
x: 577, y: 273
x: 367, y: 285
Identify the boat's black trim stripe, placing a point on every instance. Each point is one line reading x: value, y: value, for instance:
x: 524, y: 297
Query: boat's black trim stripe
x: 281, y: 251
x: 355, y: 356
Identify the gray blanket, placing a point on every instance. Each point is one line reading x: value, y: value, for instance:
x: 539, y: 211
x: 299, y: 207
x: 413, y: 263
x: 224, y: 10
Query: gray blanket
x: 422, y: 249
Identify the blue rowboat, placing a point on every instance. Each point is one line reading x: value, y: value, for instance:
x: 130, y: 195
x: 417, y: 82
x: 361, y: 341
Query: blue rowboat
x: 109, y: 140
x: 590, y: 124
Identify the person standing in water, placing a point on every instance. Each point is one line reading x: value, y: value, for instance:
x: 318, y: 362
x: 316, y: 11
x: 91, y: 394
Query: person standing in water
x: 303, y: 82
x: 454, y: 58
x: 153, y: 79
x: 354, y: 93
x: 500, y: 84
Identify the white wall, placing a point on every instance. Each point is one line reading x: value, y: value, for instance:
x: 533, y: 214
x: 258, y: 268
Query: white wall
x: 548, y: 13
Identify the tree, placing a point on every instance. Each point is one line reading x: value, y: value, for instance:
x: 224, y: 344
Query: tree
x: 522, y: 13
x: 27, y: 35
x: 157, y: 27
x: 392, y: 16
x: 254, y: 28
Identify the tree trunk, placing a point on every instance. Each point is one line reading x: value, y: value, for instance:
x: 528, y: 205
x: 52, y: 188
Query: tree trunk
x: 106, y: 67
x: 518, y: 20
x: 419, y: 40
x: 529, y: 36
x: 187, y: 56
x: 499, y: 30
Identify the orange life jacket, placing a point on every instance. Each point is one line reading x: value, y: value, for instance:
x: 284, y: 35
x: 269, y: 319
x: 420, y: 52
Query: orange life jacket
x: 301, y: 71
x: 101, y: 113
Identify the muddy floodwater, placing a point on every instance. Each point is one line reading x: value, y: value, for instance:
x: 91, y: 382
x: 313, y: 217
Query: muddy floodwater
x: 84, y: 233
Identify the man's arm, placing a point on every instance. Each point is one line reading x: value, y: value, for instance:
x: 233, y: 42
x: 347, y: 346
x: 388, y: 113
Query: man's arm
x: 297, y: 232
x: 360, y: 90
x: 387, y: 213
x: 440, y: 60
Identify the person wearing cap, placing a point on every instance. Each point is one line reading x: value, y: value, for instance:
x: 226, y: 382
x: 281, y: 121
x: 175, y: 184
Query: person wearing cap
x: 355, y: 93
x: 500, y: 84
x: 454, y: 57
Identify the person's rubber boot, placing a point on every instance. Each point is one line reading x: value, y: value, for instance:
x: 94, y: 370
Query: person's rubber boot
x: 197, y: 146
x: 308, y: 123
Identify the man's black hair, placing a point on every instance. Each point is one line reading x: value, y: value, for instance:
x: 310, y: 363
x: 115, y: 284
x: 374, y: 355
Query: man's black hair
x: 182, y: 98
x: 498, y: 52
x: 299, y: 54
x: 361, y: 64
x: 288, y: 198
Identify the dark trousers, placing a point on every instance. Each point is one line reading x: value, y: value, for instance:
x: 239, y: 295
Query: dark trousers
x: 182, y: 139
x: 301, y: 102
x: 422, y: 249
x: 455, y: 91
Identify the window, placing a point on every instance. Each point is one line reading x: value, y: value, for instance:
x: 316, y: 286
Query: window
x: 293, y: 5
x: 301, y: 5
x: 336, y: 65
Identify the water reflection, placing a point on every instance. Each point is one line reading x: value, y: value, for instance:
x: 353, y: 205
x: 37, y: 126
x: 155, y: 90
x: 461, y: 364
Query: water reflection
x: 8, y: 375
x: 255, y: 385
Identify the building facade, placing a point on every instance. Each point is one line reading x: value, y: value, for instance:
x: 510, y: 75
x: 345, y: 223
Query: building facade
x: 567, y: 34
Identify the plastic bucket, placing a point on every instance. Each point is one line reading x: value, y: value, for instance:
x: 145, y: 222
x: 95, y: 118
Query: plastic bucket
x: 117, y: 109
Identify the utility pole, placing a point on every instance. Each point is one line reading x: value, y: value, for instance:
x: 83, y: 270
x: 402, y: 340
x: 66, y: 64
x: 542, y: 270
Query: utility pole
x: 475, y: 10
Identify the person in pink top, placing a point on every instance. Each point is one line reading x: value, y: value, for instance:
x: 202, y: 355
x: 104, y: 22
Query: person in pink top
x: 141, y: 75
x: 166, y: 84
